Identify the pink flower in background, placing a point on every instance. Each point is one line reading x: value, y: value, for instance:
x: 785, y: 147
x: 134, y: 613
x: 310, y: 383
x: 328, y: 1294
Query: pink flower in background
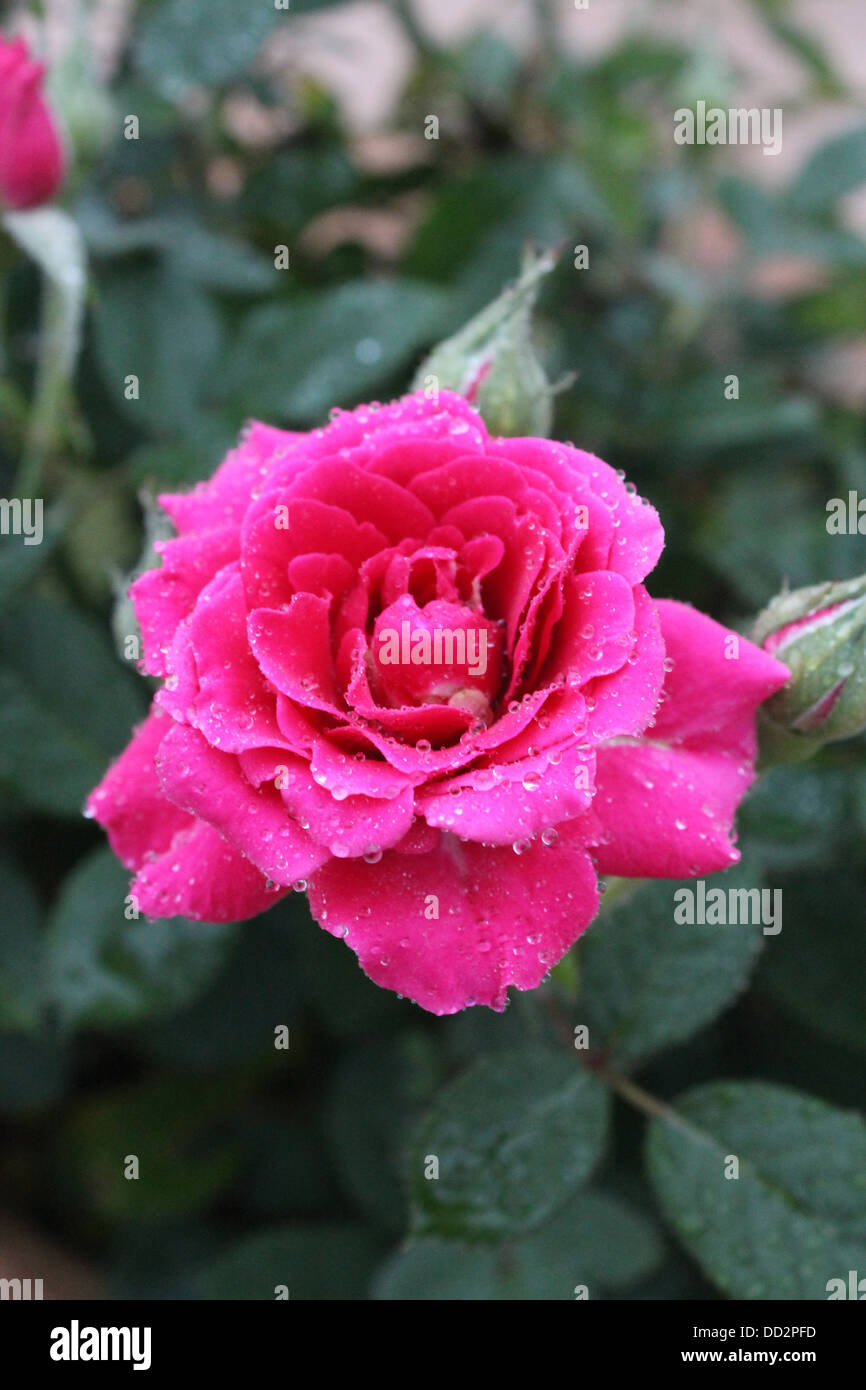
x: 448, y: 818
x: 31, y: 153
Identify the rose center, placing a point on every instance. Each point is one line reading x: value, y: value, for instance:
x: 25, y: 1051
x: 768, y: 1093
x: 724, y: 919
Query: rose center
x: 443, y: 653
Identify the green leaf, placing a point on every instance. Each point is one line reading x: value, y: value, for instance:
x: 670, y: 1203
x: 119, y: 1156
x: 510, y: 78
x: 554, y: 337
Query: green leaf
x: 65, y: 708
x: 137, y: 320
x: 481, y: 222
x: 435, y: 1268
x: 170, y: 467
x: 512, y: 1138
x: 20, y: 562
x: 815, y: 969
x: 297, y: 359
x: 593, y: 1240
x: 108, y: 971
x: 834, y: 310
x: 373, y: 1103
x: 773, y: 225
x: 233, y: 1021
x: 791, y: 817
x: 487, y: 70
x: 21, y: 977
x: 803, y: 46
x: 835, y: 168
x: 286, y: 1172
x: 313, y: 1262
x: 33, y: 1071
x: 796, y: 1215
x: 694, y: 418
x: 210, y: 258
x: 293, y: 185
x: 802, y: 551
x: 174, y: 1128
x: 341, y: 996
x: 650, y: 981
x: 182, y: 43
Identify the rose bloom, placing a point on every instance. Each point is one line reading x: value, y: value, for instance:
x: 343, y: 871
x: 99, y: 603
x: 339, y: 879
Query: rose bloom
x: 449, y: 821
x: 31, y: 152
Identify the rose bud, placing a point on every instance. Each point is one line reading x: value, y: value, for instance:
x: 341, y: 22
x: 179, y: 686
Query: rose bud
x: 31, y: 153
x: 491, y: 361
x: 820, y: 633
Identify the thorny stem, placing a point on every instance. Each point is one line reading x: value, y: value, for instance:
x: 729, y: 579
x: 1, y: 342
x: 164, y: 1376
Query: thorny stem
x: 52, y: 376
x: 635, y: 1095
x: 596, y: 1064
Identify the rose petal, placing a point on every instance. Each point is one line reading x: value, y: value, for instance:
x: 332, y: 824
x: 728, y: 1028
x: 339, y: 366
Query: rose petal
x: 624, y: 702
x: 233, y: 705
x: 525, y: 799
x: 162, y: 598
x: 666, y: 805
x: 129, y: 801
x: 202, y: 877
x: 223, y: 500
x: 716, y: 683
x: 502, y: 919
x: 666, y: 812
x: 210, y: 785
x: 592, y: 636
x: 280, y: 527
x: 293, y: 649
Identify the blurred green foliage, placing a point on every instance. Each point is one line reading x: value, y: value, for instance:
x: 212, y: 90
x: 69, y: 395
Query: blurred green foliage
x: 305, y: 1167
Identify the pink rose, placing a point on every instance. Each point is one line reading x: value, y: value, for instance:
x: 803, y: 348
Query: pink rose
x: 448, y: 816
x: 31, y: 154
